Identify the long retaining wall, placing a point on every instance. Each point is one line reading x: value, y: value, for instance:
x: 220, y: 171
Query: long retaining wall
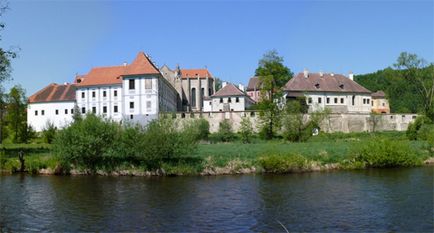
x: 345, y: 122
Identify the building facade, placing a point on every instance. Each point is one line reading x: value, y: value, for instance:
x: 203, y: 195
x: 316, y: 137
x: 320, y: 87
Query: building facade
x: 135, y: 92
x: 379, y: 103
x: 228, y: 99
x: 336, y: 92
x: 192, y: 86
x: 253, y: 89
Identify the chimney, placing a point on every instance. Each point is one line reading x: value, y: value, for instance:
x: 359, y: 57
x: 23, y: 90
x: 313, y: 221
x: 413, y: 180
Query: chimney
x: 332, y: 74
x: 306, y: 73
x: 125, y: 64
x: 321, y: 74
x: 351, y: 75
x: 241, y: 87
x: 224, y: 84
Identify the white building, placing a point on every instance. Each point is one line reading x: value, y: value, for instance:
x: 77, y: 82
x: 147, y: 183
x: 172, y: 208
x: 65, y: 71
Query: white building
x: 55, y: 104
x: 228, y: 98
x: 327, y: 90
x: 134, y: 92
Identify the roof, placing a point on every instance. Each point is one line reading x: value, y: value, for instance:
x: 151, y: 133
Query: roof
x: 54, y: 93
x: 229, y: 90
x: 194, y: 73
x: 378, y: 94
x: 325, y: 83
x: 253, y: 84
x: 110, y: 75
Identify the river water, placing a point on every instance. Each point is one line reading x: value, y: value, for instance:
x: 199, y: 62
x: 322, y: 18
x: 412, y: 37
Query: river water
x: 379, y: 200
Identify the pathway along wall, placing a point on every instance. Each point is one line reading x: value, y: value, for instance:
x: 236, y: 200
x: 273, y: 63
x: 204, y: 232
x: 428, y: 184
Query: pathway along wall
x: 346, y: 122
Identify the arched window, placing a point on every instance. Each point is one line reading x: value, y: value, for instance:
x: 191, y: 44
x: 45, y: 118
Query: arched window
x: 193, y: 97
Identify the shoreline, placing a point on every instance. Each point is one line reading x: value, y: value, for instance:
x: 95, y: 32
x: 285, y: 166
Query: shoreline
x: 208, y: 171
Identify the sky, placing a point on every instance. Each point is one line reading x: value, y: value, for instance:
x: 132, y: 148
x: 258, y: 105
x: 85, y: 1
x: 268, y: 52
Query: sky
x: 59, y: 39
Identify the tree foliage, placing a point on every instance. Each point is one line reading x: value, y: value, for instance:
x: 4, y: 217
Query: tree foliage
x: 17, y: 115
x: 246, y: 130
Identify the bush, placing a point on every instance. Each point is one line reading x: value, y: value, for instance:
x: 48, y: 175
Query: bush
x: 414, y: 127
x: 49, y: 132
x: 425, y: 131
x: 225, y: 133
x: 381, y: 152
x: 278, y: 163
x: 86, y: 143
x: 203, y: 129
x: 246, y: 130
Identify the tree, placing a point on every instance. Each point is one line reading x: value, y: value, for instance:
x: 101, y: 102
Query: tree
x: 77, y: 115
x: 218, y: 83
x: 416, y: 71
x: 225, y: 133
x: 17, y: 114
x: 246, y: 130
x: 273, y: 75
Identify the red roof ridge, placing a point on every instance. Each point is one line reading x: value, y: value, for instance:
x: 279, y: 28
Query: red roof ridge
x: 50, y: 97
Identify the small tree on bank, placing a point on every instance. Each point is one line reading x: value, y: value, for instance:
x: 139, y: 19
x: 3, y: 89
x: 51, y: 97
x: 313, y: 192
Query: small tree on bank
x: 246, y: 130
x: 225, y: 133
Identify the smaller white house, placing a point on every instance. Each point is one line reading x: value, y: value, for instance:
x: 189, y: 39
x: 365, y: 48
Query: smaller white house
x: 55, y: 104
x: 228, y: 98
x: 328, y: 90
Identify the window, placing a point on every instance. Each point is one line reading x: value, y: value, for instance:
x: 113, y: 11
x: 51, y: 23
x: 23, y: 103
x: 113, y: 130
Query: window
x: 43, y: 112
x: 229, y: 100
x: 237, y: 99
x: 83, y: 110
x: 193, y: 97
x: 328, y: 100
x: 148, y: 84
x: 83, y: 95
x: 367, y: 101
x: 131, y: 116
x: 36, y: 113
x: 209, y: 92
x: 364, y: 101
x: 93, y: 94
x: 221, y: 100
x: 342, y: 100
x: 72, y: 111
x: 319, y: 100
x: 115, y: 109
x: 131, y: 85
x: 354, y: 100
x: 382, y: 104
x: 148, y: 105
x: 57, y: 112
x: 104, y: 109
x: 131, y: 105
x: 210, y: 103
x: 115, y: 93
x: 309, y: 100
x: 104, y: 94
x: 336, y: 100
x: 93, y: 109
x: 66, y: 111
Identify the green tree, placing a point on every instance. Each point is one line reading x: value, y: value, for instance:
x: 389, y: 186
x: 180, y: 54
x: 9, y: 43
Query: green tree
x: 273, y: 75
x: 49, y: 132
x: 225, y: 133
x: 415, y: 71
x: 77, y: 115
x: 17, y: 114
x: 246, y: 130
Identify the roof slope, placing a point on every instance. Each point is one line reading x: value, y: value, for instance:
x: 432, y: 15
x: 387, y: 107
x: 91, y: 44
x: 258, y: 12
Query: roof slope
x: 194, y: 73
x: 378, y: 94
x: 253, y: 84
x: 110, y: 75
x: 229, y: 90
x: 54, y: 93
x: 325, y: 83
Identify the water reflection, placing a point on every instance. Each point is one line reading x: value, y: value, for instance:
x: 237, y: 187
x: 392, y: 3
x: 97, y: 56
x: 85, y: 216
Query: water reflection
x: 373, y: 200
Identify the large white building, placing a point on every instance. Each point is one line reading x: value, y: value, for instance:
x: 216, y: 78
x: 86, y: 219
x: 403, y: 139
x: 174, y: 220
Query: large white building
x: 327, y: 90
x: 135, y: 92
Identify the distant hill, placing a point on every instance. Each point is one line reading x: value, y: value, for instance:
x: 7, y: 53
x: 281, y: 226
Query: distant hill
x: 401, y: 94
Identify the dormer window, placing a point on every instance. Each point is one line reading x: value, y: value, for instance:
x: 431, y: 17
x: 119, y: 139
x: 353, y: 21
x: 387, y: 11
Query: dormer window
x: 317, y: 86
x: 341, y: 86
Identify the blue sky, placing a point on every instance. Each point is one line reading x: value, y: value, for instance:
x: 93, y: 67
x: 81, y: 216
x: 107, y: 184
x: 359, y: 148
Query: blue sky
x: 61, y: 38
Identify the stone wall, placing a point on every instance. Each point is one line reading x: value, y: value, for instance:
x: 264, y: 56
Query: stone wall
x: 345, y: 122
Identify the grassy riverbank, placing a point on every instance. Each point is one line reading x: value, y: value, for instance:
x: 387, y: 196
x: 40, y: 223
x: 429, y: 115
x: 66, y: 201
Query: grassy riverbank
x: 324, y: 152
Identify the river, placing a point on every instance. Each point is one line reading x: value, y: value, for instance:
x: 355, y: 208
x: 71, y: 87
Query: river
x: 380, y: 200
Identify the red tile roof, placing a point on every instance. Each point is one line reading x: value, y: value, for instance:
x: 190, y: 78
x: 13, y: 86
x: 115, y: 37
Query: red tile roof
x: 110, y: 75
x: 325, y: 83
x: 194, y: 73
x: 54, y: 93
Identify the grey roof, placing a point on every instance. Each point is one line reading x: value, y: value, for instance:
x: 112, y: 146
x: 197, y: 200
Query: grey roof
x: 325, y: 83
x: 378, y: 94
x: 229, y: 90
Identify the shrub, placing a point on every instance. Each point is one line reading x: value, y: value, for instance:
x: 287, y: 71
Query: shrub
x: 225, y: 133
x: 49, y: 132
x: 246, y: 130
x: 424, y: 132
x: 414, y: 127
x: 86, y: 143
x: 382, y: 152
x: 278, y: 163
x: 203, y: 129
